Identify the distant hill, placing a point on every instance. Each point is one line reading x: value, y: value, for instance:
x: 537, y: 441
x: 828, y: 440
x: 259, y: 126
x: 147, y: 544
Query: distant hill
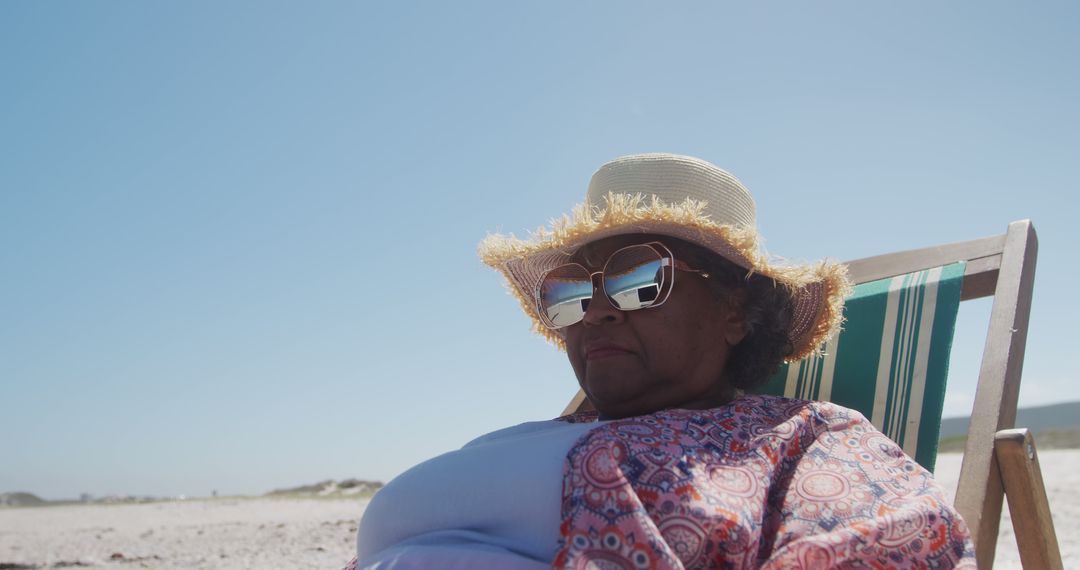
x: 20, y: 500
x: 1056, y: 417
x: 330, y: 488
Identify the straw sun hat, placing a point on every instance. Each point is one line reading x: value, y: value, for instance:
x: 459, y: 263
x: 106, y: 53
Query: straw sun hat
x: 681, y: 197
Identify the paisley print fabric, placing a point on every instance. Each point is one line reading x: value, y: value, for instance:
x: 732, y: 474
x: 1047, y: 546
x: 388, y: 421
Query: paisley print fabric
x: 763, y: 482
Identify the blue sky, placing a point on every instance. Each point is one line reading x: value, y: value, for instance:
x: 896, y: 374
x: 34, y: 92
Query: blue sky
x: 239, y: 238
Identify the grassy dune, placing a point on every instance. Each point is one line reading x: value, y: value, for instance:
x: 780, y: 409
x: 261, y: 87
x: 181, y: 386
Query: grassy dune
x: 1046, y: 439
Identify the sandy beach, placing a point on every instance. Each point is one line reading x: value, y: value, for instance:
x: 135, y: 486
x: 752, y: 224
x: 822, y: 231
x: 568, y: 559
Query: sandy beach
x: 1061, y: 474
x: 320, y: 533
x: 211, y: 533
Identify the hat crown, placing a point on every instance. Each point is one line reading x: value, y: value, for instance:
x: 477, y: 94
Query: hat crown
x: 673, y: 178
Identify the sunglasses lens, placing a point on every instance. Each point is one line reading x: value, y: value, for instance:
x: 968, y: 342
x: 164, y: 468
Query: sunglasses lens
x: 565, y: 294
x: 634, y: 277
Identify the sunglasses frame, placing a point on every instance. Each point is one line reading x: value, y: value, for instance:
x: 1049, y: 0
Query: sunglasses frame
x: 666, y: 257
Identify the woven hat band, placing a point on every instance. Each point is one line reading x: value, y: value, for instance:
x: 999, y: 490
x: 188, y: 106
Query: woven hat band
x: 673, y: 179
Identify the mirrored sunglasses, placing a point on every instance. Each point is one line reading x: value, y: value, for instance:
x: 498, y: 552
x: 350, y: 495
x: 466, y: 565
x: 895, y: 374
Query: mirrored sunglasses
x: 635, y: 277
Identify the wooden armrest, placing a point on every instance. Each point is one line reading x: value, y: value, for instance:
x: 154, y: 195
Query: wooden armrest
x: 1028, y: 506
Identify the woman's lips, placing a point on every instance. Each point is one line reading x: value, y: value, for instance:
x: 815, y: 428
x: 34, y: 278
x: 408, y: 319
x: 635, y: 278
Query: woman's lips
x: 605, y: 350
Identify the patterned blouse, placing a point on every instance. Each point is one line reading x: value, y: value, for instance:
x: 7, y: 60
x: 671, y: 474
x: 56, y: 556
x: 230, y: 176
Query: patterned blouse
x: 763, y: 482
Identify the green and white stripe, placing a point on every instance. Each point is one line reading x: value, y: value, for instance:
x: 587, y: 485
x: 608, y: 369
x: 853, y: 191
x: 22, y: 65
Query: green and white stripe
x: 901, y: 378
x: 891, y: 360
x: 811, y: 378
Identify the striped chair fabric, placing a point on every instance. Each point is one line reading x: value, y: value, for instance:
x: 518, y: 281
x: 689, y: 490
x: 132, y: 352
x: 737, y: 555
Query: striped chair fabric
x: 891, y: 360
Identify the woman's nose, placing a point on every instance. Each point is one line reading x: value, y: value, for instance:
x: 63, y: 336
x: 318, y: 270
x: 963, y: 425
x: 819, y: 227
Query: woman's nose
x: 600, y: 310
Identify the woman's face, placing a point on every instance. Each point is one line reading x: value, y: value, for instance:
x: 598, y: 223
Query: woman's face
x: 672, y: 356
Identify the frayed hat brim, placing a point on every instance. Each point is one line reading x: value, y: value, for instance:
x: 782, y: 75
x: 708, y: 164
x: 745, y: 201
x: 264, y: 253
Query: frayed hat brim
x: 817, y: 290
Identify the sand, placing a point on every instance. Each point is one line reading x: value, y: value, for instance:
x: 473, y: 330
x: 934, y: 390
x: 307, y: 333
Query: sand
x: 211, y: 533
x: 271, y: 533
x: 1061, y: 474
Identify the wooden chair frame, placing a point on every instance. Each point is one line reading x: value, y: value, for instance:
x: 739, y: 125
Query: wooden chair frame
x: 997, y: 459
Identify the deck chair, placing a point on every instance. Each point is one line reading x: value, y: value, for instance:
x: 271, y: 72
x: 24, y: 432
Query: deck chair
x: 891, y: 362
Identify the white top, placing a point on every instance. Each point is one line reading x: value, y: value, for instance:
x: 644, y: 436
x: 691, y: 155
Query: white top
x: 491, y: 504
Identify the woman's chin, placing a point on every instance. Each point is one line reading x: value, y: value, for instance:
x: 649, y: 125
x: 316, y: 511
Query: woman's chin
x: 610, y: 390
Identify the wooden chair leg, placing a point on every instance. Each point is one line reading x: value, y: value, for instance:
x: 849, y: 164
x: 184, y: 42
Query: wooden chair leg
x: 1026, y: 493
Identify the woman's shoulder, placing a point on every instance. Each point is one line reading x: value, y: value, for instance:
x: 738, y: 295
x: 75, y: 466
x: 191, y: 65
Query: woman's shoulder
x: 746, y: 423
x: 768, y: 407
x: 749, y: 413
x: 581, y: 417
x: 527, y: 430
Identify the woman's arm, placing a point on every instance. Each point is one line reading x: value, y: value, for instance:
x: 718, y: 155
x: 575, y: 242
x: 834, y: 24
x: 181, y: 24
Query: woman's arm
x: 856, y: 500
x: 764, y: 482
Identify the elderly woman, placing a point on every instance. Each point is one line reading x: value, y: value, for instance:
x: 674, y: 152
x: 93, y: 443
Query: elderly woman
x: 669, y: 315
